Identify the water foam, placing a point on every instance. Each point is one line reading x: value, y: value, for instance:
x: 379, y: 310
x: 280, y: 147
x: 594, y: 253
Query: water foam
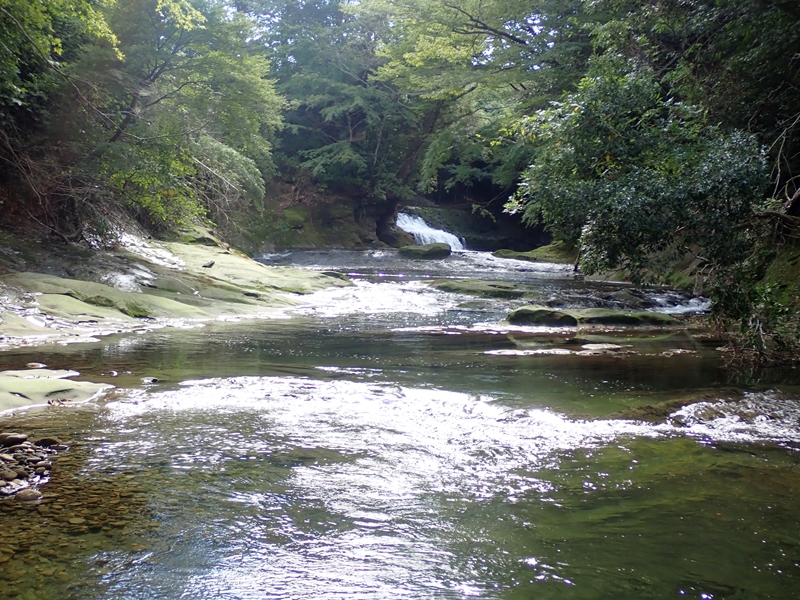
x: 425, y: 234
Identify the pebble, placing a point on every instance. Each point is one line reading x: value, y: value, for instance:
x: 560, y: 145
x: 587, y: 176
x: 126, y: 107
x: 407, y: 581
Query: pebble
x: 24, y: 465
x: 28, y: 495
x: 42, y: 533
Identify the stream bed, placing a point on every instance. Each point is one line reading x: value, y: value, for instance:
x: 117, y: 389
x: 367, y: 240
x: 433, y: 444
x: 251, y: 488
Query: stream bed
x: 391, y: 441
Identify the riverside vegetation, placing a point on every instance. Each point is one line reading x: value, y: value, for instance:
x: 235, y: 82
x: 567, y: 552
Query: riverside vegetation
x: 659, y: 139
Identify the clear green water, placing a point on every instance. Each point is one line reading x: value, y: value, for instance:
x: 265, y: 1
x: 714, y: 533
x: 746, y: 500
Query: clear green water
x: 379, y: 447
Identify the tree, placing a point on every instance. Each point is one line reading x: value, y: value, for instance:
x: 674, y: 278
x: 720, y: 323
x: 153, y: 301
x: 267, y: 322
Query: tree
x: 37, y: 36
x: 181, y: 123
x: 345, y: 130
x: 637, y: 178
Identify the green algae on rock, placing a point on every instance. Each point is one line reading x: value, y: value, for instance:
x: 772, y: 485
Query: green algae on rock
x: 428, y: 251
x: 542, y: 315
x: 487, y: 289
x: 557, y: 252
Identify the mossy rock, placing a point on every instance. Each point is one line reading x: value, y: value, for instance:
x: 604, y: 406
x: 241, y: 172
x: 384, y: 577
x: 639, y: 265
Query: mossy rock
x: 557, y: 252
x: 199, y: 236
x: 486, y: 289
x: 541, y: 315
x: 426, y: 251
x: 135, y: 310
x: 99, y: 301
x: 296, y: 216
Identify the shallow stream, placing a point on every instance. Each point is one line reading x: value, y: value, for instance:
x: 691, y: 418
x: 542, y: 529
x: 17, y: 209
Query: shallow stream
x: 389, y: 441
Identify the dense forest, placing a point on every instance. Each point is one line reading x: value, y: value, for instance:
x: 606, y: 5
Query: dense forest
x: 642, y: 132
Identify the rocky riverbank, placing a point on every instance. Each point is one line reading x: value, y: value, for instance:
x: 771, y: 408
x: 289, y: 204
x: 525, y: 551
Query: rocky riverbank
x: 55, y: 292
x: 26, y: 465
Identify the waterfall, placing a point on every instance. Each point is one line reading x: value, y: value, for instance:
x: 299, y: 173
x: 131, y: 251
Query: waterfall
x: 425, y: 234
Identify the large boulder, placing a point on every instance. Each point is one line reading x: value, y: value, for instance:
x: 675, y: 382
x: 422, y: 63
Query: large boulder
x: 542, y: 315
x: 557, y: 252
x: 429, y: 251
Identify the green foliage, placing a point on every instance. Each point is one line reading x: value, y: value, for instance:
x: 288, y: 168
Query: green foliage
x: 176, y: 124
x: 631, y: 174
x: 345, y: 130
x: 762, y: 294
x: 36, y: 36
x: 153, y: 179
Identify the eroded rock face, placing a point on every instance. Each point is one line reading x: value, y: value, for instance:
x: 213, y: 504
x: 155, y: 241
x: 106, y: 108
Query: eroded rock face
x: 541, y: 315
x: 427, y: 251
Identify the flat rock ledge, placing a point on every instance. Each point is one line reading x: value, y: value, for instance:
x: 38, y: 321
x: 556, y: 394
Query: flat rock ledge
x: 26, y: 465
x: 541, y: 315
x: 426, y: 251
x: 32, y: 387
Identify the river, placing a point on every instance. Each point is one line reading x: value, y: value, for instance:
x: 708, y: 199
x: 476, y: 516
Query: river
x: 389, y: 441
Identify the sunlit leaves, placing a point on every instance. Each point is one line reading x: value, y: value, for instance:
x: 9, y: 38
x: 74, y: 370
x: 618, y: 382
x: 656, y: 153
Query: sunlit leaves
x: 34, y: 36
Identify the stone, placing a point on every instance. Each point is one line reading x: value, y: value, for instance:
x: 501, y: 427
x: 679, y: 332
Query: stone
x: 12, y: 439
x: 487, y: 289
x: 76, y: 520
x: 8, y: 474
x: 427, y: 251
x: 28, y: 495
x: 48, y: 442
x: 44, y: 464
x: 542, y: 315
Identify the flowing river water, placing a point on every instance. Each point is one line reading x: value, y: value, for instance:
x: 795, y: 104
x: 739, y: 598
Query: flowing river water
x: 390, y: 441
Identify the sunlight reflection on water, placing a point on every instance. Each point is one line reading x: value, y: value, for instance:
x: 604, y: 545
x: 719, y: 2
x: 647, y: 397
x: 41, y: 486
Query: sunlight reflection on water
x: 328, y: 489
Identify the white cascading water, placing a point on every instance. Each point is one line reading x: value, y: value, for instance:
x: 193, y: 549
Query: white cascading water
x: 425, y: 234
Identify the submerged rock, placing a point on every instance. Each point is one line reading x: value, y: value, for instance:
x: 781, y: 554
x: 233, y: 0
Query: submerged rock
x: 429, y: 251
x: 47, y: 442
x: 542, y: 315
x: 488, y: 289
x: 28, y: 495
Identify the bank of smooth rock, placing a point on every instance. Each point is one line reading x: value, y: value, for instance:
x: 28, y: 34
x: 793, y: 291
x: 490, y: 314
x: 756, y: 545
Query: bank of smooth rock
x: 427, y: 251
x: 72, y: 294
x: 541, y: 315
x: 43, y: 386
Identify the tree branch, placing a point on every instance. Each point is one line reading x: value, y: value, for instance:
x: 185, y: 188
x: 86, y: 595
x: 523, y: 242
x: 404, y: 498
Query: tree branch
x: 483, y: 27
